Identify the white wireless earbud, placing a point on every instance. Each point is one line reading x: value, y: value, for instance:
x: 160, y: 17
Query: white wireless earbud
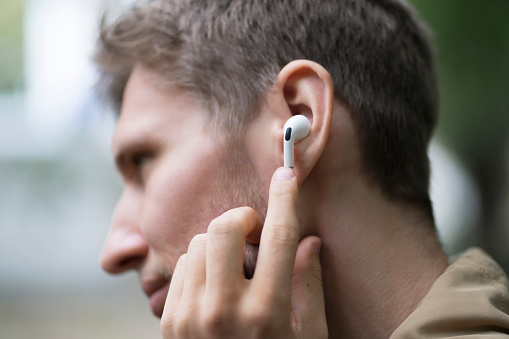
x: 296, y: 128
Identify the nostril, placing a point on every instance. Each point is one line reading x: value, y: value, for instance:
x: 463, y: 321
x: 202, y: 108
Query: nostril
x: 129, y: 263
x: 123, y: 252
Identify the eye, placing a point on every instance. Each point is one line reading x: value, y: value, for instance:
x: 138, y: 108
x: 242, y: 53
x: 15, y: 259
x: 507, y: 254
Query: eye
x: 139, y: 160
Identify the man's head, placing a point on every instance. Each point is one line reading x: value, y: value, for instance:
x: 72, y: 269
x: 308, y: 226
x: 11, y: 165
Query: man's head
x: 227, y: 55
x: 206, y: 86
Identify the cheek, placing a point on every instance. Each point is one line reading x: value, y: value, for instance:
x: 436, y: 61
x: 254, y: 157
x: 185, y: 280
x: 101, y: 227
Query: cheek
x: 181, y: 199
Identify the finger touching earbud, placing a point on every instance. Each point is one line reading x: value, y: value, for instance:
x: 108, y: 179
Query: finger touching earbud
x: 295, y: 129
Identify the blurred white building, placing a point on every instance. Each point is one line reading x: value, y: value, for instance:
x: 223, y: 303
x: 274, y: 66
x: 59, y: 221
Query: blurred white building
x: 58, y: 188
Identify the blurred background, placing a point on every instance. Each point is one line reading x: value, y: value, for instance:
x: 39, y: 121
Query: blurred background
x: 58, y: 185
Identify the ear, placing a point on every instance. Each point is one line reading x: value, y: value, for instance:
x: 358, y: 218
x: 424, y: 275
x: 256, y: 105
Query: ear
x: 305, y: 87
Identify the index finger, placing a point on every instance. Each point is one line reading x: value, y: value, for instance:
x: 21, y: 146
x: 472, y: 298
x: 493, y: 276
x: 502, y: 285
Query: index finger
x: 280, y: 236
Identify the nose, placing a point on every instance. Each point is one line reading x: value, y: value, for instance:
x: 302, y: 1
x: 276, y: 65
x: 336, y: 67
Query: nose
x: 125, y: 248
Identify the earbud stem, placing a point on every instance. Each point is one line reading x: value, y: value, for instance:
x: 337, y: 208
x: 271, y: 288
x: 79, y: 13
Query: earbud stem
x: 289, y: 153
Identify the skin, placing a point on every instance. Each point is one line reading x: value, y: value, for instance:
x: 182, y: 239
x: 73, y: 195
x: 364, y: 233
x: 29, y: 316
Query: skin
x: 379, y: 257
x: 169, y: 161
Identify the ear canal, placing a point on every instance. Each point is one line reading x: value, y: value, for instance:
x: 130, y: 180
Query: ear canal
x: 296, y: 128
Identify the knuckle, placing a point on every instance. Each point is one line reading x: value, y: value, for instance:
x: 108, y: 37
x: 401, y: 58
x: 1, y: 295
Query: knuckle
x: 216, y: 319
x: 312, y: 278
x: 180, y: 265
x: 181, y: 261
x: 197, y: 241
x: 288, y: 193
x: 221, y: 226
x: 198, y: 244
x: 247, y: 212
x: 261, y: 316
x: 298, y: 281
x: 315, y: 273
x: 281, y: 234
x: 231, y: 221
x: 181, y: 329
x: 182, y: 324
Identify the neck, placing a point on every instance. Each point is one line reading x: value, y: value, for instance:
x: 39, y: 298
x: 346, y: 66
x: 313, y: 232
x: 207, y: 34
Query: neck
x: 379, y: 259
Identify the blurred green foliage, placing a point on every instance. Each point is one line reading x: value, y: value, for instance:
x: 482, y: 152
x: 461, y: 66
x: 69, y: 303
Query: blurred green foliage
x: 471, y: 42
x: 11, y: 45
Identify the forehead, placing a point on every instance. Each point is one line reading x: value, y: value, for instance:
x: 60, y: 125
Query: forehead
x: 152, y: 111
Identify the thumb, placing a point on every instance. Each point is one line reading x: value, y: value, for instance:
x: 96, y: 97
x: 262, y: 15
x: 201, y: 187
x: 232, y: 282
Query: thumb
x: 308, y: 305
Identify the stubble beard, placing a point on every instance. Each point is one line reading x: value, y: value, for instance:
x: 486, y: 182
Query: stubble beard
x: 241, y: 186
x: 238, y: 185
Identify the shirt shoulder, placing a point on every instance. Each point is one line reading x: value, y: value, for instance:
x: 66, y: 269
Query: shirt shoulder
x: 470, y: 299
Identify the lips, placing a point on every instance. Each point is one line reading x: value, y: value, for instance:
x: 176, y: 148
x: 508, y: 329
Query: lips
x: 156, y: 290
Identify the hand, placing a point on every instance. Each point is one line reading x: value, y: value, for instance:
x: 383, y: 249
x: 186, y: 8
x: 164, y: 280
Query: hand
x: 209, y: 296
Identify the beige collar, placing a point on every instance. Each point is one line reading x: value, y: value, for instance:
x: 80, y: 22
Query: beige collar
x: 470, y: 298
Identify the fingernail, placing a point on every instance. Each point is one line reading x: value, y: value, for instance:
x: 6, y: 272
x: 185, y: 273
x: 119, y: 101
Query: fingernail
x: 284, y: 173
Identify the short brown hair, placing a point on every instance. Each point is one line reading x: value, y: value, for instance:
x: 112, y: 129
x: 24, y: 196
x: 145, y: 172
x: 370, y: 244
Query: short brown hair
x: 228, y: 54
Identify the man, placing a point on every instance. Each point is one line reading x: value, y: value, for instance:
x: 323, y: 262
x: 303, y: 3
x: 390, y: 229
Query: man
x: 344, y: 245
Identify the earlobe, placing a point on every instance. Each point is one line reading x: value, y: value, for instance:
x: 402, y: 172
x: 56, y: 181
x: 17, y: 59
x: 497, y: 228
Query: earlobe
x: 307, y: 90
